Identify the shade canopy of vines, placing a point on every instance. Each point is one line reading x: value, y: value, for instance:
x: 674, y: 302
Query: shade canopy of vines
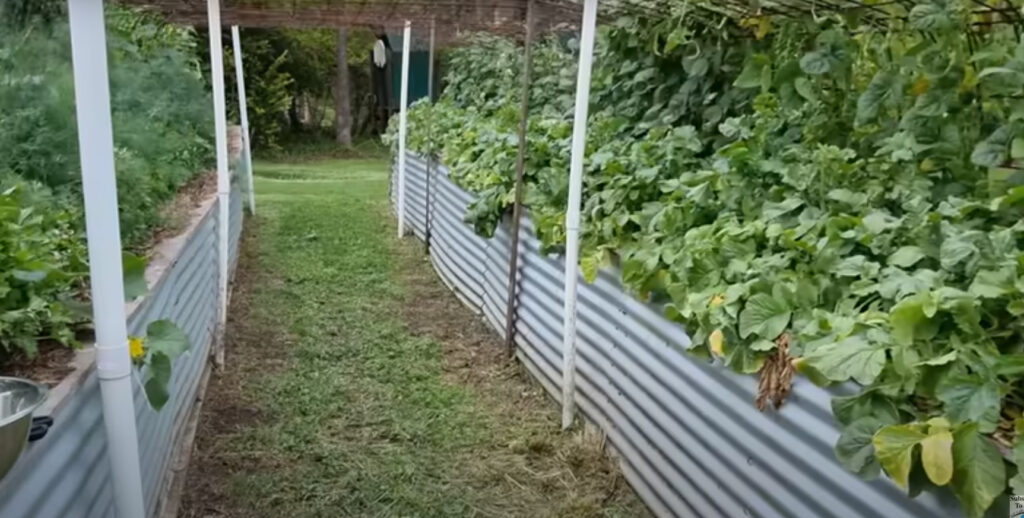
x: 834, y: 195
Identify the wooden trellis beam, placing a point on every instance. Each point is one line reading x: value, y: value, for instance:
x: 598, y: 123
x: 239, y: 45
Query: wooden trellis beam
x: 450, y: 16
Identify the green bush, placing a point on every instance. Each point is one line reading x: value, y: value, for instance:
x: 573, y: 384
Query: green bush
x: 290, y: 81
x: 823, y: 194
x: 42, y: 267
x: 267, y: 92
x: 162, y: 135
x: 161, y: 112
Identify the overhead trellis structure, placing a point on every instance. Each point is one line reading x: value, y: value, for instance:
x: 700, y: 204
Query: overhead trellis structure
x: 508, y: 16
x: 505, y: 15
x: 450, y: 16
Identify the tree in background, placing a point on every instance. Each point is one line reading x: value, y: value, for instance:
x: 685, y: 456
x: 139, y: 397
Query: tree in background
x: 343, y: 94
x: 293, y: 84
x: 268, y: 91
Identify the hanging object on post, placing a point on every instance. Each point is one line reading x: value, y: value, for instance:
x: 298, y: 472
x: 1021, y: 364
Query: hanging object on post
x: 380, y: 54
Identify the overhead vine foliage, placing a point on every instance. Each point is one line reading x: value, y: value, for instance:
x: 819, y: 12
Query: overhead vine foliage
x: 816, y: 195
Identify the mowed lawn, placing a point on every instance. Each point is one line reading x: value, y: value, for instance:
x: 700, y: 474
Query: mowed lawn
x: 356, y: 385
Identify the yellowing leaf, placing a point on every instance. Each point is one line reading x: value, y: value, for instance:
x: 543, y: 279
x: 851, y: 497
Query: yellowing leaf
x: 814, y: 375
x: 589, y: 266
x: 894, y: 448
x: 716, y: 341
x: 716, y: 301
x: 920, y: 85
x: 970, y: 80
x: 937, y: 457
x: 764, y: 26
x: 938, y: 424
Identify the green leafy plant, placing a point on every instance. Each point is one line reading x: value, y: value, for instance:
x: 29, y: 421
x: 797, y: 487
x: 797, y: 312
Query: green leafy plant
x: 809, y: 195
x: 291, y: 76
x: 154, y: 355
x: 161, y: 112
x: 268, y: 90
x: 163, y: 133
x: 42, y: 265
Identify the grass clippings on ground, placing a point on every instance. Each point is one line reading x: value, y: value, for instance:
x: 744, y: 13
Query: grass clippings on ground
x: 357, y: 385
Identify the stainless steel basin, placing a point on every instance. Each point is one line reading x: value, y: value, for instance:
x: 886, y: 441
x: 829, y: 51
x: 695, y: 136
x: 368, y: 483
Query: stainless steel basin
x: 18, y: 399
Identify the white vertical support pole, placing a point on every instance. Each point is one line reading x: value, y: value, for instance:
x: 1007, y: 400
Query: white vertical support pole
x: 572, y: 214
x: 103, y: 231
x: 243, y: 114
x: 430, y: 63
x: 220, y: 125
x: 403, y: 127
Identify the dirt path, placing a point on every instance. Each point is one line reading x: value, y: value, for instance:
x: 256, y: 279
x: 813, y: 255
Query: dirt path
x: 357, y: 385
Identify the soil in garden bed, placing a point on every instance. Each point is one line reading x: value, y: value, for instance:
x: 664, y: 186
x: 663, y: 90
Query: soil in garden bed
x: 357, y: 385
x: 178, y: 213
x: 49, y: 366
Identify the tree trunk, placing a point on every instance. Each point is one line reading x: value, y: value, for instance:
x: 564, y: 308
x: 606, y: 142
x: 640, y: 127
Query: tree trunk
x: 343, y: 94
x: 307, y: 111
x: 293, y: 114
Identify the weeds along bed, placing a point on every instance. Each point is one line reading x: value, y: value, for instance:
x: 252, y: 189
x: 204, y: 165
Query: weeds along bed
x: 163, y: 137
x: 810, y: 196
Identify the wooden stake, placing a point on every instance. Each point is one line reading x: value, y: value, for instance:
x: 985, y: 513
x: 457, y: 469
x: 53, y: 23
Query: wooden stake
x: 430, y: 152
x: 517, y: 206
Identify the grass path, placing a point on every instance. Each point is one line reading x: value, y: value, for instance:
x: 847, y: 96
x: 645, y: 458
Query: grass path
x: 356, y: 385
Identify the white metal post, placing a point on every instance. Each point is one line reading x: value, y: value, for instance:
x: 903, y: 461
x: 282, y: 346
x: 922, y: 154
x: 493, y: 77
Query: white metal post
x: 220, y: 125
x: 403, y: 126
x: 103, y: 231
x: 430, y: 62
x: 243, y: 114
x: 572, y: 215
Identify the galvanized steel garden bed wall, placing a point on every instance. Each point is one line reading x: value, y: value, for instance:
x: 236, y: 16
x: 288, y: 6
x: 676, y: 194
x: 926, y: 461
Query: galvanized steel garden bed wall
x: 687, y: 434
x: 67, y: 474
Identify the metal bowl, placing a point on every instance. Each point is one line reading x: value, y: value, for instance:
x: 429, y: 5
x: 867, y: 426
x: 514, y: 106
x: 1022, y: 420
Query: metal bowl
x: 18, y: 399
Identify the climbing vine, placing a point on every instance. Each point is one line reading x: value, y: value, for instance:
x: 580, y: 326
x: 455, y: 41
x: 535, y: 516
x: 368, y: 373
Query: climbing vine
x: 839, y: 196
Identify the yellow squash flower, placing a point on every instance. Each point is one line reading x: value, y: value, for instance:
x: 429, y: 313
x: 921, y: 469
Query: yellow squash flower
x: 136, y: 348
